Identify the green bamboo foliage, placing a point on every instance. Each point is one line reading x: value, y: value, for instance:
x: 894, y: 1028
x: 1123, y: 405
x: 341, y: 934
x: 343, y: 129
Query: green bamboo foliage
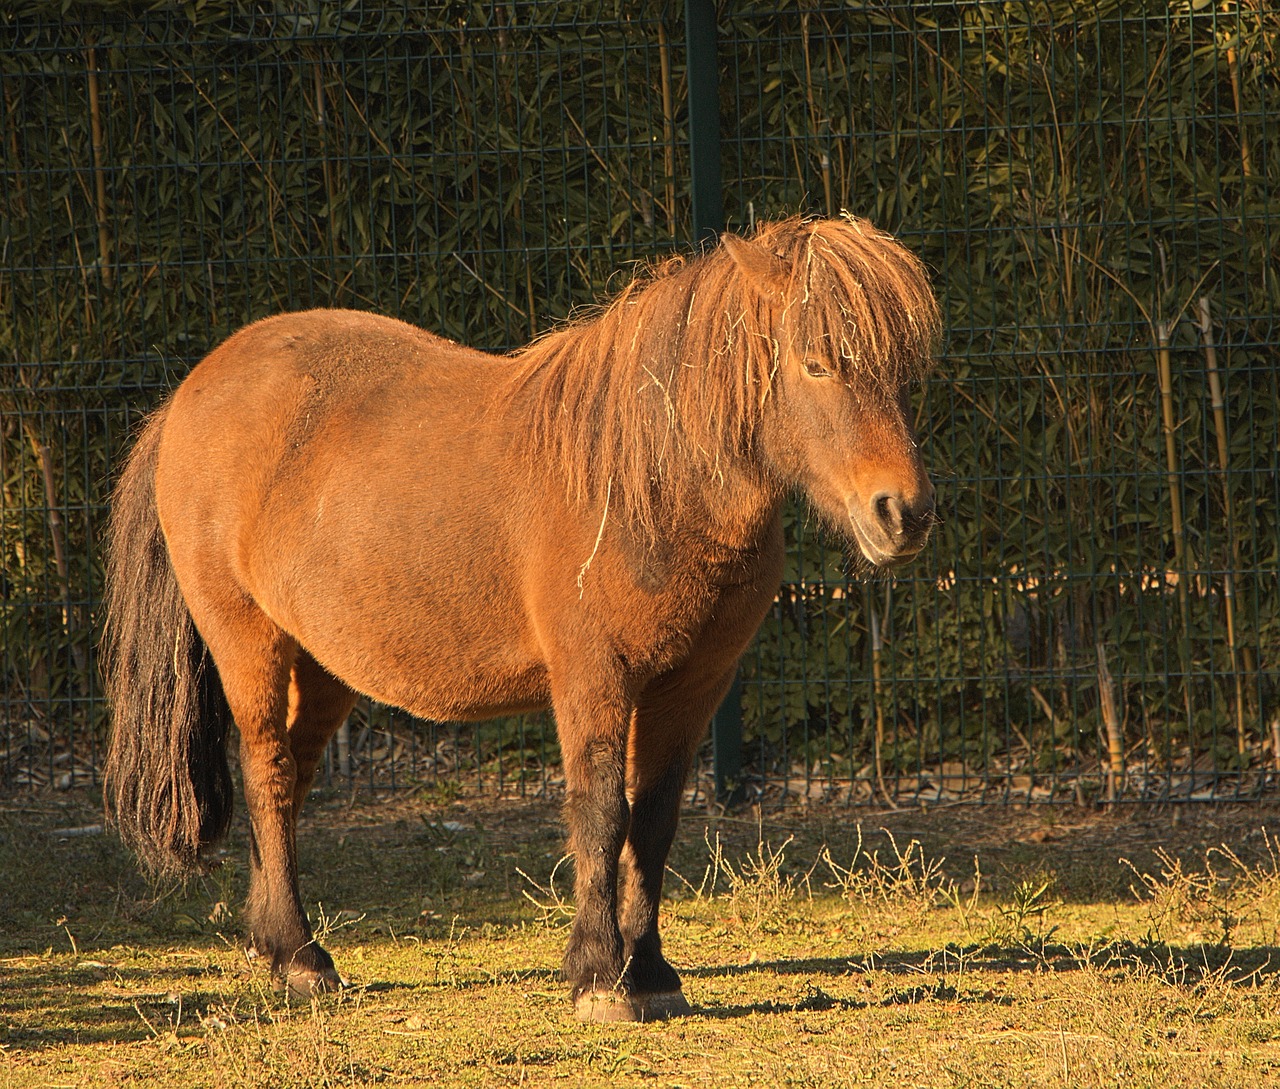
x: 1077, y: 175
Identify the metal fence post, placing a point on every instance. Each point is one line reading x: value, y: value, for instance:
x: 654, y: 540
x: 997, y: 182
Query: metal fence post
x: 726, y: 744
x: 704, y: 119
x: 708, y: 222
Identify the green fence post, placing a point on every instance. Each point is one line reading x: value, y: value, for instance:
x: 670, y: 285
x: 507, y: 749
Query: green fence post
x: 704, y: 119
x: 708, y: 222
x: 726, y: 745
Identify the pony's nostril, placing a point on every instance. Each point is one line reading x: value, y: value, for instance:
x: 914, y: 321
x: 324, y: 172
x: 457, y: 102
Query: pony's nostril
x: 888, y: 511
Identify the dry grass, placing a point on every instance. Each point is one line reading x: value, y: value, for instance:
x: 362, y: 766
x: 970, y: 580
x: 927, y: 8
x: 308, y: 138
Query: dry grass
x: 815, y: 953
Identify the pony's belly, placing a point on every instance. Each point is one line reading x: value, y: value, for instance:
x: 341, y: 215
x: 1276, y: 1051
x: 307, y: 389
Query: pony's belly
x: 435, y: 680
x: 449, y: 698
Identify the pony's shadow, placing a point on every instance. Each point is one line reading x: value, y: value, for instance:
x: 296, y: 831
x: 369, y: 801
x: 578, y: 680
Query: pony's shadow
x: 898, y: 963
x: 816, y: 1000
x: 61, y: 1005
x: 1179, y: 965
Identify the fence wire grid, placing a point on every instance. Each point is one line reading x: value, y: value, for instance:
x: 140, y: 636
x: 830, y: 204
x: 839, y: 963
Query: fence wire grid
x: 1093, y: 186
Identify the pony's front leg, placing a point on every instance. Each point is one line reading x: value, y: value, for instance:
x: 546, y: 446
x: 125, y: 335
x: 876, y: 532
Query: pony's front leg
x: 593, y: 739
x: 670, y: 720
x: 655, y: 811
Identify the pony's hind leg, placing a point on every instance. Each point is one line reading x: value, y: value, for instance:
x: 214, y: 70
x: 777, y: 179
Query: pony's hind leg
x: 273, y: 784
x: 319, y: 704
x: 669, y: 722
x: 255, y: 660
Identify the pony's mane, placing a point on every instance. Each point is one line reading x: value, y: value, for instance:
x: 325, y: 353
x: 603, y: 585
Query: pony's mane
x: 672, y: 377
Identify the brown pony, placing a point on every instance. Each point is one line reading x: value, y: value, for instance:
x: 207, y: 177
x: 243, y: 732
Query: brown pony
x: 335, y: 503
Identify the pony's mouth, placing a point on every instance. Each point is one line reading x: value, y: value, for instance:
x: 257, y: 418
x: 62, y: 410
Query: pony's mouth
x: 881, y: 557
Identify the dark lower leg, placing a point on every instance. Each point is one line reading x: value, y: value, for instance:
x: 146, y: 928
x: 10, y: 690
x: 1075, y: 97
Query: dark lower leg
x: 670, y: 720
x: 278, y: 926
x: 596, y: 810
x: 654, y: 815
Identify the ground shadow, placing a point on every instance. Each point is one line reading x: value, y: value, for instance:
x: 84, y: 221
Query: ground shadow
x: 816, y: 1000
x: 96, y: 1003
x: 1186, y: 964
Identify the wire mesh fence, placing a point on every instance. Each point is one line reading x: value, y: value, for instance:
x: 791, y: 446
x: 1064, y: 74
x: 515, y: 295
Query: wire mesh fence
x: 1098, y: 615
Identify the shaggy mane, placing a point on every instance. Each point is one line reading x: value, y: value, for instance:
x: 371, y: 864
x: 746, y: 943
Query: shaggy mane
x: 673, y: 376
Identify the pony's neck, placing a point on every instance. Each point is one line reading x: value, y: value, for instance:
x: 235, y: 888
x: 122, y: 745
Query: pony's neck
x: 731, y: 509
x: 654, y: 403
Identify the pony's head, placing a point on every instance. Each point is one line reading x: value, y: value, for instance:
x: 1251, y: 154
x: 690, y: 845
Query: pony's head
x: 854, y: 326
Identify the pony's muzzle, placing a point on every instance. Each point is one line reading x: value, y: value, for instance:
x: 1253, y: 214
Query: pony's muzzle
x: 892, y: 526
x: 904, y: 519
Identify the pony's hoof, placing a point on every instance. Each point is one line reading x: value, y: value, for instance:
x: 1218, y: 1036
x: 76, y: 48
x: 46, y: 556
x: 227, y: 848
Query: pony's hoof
x: 605, y: 1006
x: 658, y: 1007
x: 306, y: 982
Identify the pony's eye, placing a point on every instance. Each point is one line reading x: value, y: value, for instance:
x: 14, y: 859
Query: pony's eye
x: 816, y: 368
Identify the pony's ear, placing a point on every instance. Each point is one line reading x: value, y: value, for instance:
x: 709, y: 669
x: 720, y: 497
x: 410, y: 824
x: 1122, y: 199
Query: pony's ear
x: 766, y: 272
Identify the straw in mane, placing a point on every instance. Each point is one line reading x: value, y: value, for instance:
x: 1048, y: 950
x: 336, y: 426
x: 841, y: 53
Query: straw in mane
x: 674, y: 375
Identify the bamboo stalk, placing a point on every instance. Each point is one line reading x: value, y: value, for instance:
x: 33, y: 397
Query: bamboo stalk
x: 19, y: 192
x: 1228, y: 587
x: 7, y: 499
x: 1170, y: 450
x: 845, y: 161
x: 43, y: 459
x: 824, y: 161
x: 808, y: 75
x: 1165, y: 372
x: 99, y: 175
x: 1246, y: 157
x: 1047, y: 708
x: 877, y: 647
x: 344, y: 751
x: 528, y: 288
x: 326, y: 169
x: 86, y: 295
x: 58, y: 536
x: 668, y: 129
x: 1112, y: 724
x: 4, y: 473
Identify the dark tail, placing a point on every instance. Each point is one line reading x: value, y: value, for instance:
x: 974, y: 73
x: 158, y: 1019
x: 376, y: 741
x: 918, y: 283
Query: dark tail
x: 166, y: 781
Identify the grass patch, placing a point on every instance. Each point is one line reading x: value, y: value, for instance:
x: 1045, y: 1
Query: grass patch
x: 814, y: 951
